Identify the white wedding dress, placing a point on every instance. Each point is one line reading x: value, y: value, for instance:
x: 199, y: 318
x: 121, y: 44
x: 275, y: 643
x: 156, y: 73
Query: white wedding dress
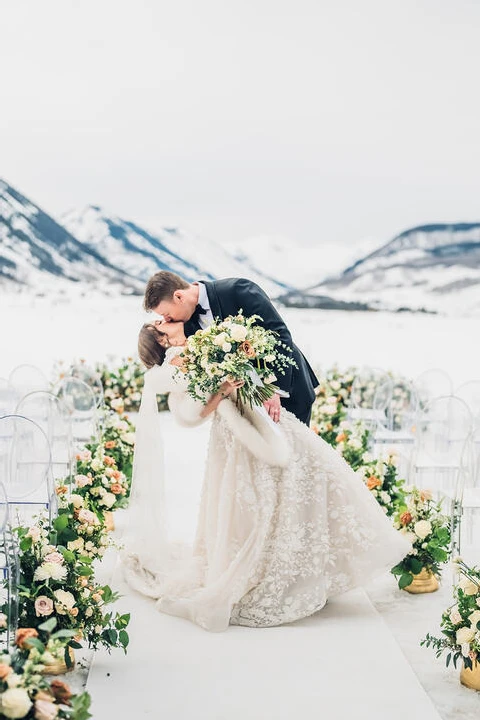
x: 284, y: 521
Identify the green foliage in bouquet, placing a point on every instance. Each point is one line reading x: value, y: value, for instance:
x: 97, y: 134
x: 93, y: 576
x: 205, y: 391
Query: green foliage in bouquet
x: 236, y: 348
x: 460, y: 623
x: 24, y: 691
x: 423, y: 523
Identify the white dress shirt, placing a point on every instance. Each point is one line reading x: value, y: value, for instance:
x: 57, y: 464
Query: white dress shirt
x: 207, y: 319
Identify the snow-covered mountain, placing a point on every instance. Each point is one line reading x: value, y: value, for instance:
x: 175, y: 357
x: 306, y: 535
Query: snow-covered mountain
x: 35, y: 251
x: 141, y: 252
x: 431, y: 267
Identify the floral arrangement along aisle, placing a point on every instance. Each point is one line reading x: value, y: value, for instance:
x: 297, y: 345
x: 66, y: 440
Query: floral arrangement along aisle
x: 25, y: 692
x: 460, y: 624
x: 353, y: 440
x: 422, y: 521
x: 123, y: 385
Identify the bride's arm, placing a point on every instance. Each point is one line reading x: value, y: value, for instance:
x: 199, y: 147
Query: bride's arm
x: 226, y: 389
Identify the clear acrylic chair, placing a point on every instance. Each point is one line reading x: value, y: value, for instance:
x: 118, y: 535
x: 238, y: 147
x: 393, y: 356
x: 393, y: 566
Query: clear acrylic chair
x: 80, y: 401
x: 442, y: 439
x: 27, y: 459
x: 10, y: 570
x: 8, y: 398
x: 370, y: 396
x: 92, y: 378
x: 397, y: 424
x: 466, y: 505
x: 26, y: 378
x: 53, y: 416
x: 469, y: 392
x: 431, y: 384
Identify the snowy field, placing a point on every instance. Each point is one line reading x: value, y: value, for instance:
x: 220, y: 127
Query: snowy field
x: 44, y: 330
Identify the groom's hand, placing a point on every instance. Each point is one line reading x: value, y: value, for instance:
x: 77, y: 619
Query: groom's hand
x: 272, y: 406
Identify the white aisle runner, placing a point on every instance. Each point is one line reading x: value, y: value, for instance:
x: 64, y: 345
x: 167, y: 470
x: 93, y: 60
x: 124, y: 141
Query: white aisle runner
x: 342, y: 663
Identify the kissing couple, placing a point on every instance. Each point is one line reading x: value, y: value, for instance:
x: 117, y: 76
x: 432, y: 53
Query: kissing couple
x: 284, y: 522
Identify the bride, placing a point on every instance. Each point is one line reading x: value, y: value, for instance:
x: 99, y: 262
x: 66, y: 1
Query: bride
x: 284, y: 522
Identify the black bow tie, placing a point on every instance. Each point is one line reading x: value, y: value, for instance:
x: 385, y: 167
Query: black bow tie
x: 199, y: 310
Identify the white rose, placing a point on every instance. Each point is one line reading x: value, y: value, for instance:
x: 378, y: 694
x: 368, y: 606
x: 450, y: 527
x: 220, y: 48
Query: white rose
x: 355, y: 444
x: 465, y: 635
x: 65, y: 598
x: 455, y: 616
x: 76, y: 544
x: 98, y: 629
x: 385, y: 496
x: 13, y: 680
x: 468, y: 586
x: 128, y: 438
x: 34, y: 533
x: 331, y: 410
x: 96, y: 464
x: 226, y: 347
x: 474, y: 618
x: 88, y: 612
x: 332, y: 401
x: 77, y: 500
x: 220, y: 339
x: 422, y: 528
x: 109, y: 499
x: 15, y: 703
x: 238, y: 333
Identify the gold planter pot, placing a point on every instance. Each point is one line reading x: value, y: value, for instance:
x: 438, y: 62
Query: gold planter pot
x: 471, y: 678
x: 109, y: 521
x: 424, y: 582
x: 60, y: 666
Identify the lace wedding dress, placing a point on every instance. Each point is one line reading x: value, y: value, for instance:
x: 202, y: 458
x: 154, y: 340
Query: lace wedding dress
x: 284, y: 521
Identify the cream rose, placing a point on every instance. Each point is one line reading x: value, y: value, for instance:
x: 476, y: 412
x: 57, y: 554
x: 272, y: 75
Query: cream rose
x: 65, y: 601
x: 82, y: 480
x: 474, y: 618
x: 76, y: 544
x: 455, y: 616
x: 34, y: 533
x: 238, y: 333
x: 15, y: 703
x: 77, y: 500
x: 109, y: 499
x: 468, y: 586
x: 465, y: 635
x: 423, y: 528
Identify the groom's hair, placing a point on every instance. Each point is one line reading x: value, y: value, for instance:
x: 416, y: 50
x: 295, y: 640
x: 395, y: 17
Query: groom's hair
x: 161, y: 286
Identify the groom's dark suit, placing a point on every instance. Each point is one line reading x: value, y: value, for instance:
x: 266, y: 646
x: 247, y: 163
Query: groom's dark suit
x: 227, y: 297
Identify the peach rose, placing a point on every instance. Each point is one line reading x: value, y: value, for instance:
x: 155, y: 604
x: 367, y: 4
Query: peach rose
x: 61, y: 691
x: 108, y: 460
x: 42, y: 695
x: 116, y: 489
x: 248, y: 349
x: 5, y: 670
x: 54, y: 557
x: 425, y: 495
x: 74, y: 612
x: 373, y: 482
x: 110, y: 444
x: 61, y: 489
x: 340, y: 437
x: 405, y: 518
x: 22, y: 636
x: 45, y: 710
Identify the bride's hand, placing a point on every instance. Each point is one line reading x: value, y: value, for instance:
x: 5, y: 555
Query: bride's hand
x: 229, y: 386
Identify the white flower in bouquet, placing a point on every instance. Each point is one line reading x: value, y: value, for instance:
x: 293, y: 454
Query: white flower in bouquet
x: 464, y: 635
x: 35, y: 533
x: 238, y: 333
x: 468, y: 586
x: 474, y: 618
x: 335, y: 385
x: 367, y: 457
x: 65, y: 601
x: 82, y: 481
x: 15, y: 703
x: 108, y: 500
x: 455, y: 616
x: 423, y: 528
x: 76, y: 544
x: 50, y: 570
x: 332, y: 401
x: 128, y: 438
x: 13, y: 680
x: 385, y: 497
x: 345, y: 425
x: 97, y: 464
x: 77, y: 500
x: 355, y: 443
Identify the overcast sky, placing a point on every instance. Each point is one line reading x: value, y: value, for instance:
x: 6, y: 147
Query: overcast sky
x: 322, y: 121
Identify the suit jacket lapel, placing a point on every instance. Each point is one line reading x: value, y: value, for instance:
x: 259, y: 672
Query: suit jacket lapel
x: 213, y: 300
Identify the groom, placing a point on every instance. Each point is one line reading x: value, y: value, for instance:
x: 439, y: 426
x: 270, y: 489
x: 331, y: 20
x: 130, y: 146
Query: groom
x: 197, y: 304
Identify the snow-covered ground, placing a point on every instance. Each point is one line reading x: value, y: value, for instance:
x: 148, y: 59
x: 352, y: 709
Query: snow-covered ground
x: 44, y: 330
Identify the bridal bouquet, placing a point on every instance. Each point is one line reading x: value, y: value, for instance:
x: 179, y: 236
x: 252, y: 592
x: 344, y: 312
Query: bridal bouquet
x: 236, y: 348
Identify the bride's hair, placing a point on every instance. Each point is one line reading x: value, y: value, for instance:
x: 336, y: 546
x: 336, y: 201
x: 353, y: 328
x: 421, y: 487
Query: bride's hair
x: 149, y: 350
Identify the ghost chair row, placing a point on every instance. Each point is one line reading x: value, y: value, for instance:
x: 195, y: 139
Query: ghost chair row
x: 10, y: 571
